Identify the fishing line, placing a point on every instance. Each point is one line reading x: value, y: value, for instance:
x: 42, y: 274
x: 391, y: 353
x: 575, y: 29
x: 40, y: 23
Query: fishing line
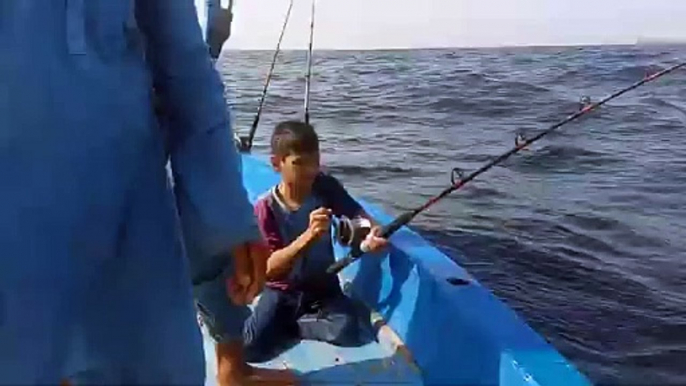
x: 308, y: 77
x: 245, y: 143
x: 458, y: 179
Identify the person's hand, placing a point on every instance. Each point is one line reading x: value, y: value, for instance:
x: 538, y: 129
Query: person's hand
x: 374, y: 241
x: 219, y: 29
x: 237, y: 285
x: 258, y: 253
x: 320, y: 222
x: 250, y: 265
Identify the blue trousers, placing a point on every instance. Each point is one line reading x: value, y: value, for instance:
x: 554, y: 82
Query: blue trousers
x: 282, y: 317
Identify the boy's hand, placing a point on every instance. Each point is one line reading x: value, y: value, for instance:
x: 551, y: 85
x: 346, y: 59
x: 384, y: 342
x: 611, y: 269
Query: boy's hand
x: 373, y: 240
x: 258, y: 253
x: 250, y: 262
x: 320, y: 222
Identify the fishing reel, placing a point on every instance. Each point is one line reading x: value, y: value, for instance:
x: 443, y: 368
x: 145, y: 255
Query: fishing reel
x: 351, y: 232
x: 243, y: 143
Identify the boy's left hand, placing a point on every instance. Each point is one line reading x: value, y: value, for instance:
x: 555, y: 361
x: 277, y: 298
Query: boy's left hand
x: 374, y: 241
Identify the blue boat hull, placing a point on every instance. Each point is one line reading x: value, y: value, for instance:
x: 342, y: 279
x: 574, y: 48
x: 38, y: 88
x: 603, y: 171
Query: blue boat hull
x: 438, y: 330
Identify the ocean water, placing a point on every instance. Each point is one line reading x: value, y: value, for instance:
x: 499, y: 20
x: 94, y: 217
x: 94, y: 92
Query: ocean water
x: 584, y: 235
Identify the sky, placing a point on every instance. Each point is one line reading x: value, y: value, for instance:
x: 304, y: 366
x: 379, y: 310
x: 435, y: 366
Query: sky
x: 370, y: 24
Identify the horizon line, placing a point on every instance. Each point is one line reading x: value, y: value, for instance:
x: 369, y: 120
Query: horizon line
x: 468, y: 47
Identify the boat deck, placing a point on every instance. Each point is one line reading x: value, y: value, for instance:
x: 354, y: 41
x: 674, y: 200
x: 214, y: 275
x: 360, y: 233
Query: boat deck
x: 384, y: 362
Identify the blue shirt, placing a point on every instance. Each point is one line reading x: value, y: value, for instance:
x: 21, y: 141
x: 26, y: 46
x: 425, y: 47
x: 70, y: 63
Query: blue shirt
x: 93, y: 269
x: 280, y: 226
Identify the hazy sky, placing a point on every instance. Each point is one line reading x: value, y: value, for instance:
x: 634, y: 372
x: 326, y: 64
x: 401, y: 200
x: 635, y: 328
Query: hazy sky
x: 454, y: 23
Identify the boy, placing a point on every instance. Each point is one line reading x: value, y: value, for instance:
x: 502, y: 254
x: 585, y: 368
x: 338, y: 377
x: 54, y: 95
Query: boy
x: 300, y: 299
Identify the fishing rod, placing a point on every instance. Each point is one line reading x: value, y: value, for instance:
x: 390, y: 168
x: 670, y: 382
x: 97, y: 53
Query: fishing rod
x: 308, y: 77
x: 246, y: 142
x: 458, y: 180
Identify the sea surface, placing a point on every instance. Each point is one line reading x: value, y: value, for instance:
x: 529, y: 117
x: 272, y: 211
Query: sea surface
x: 584, y: 235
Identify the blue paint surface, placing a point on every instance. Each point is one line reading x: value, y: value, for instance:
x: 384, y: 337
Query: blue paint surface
x: 458, y: 334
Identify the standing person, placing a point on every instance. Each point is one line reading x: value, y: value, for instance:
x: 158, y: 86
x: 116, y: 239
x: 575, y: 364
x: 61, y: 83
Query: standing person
x: 94, y: 283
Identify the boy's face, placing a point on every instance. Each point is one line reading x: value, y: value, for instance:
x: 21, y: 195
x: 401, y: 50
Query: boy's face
x: 297, y: 170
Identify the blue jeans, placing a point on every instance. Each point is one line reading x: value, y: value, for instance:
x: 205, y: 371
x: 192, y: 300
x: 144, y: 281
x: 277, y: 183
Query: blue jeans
x: 282, y: 317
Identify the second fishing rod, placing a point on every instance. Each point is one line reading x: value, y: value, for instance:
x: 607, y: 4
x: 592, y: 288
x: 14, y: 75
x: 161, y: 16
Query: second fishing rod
x: 245, y: 143
x: 458, y: 179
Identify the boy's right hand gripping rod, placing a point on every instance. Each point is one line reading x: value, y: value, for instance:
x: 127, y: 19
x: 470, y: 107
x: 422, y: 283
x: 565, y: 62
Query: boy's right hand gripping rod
x: 386, y: 232
x: 458, y: 180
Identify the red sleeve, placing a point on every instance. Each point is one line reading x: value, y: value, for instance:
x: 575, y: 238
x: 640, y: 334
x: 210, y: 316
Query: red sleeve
x: 269, y: 228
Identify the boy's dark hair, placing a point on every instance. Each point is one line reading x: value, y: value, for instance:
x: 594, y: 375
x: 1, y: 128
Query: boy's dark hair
x: 294, y: 137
